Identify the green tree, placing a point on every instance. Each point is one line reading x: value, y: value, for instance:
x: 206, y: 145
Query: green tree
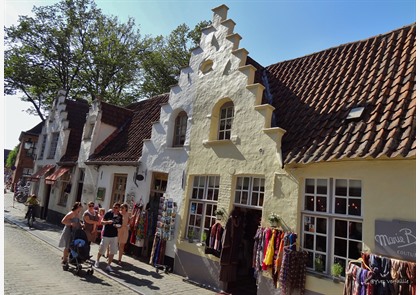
x: 161, y: 66
x: 72, y: 46
x: 11, y: 158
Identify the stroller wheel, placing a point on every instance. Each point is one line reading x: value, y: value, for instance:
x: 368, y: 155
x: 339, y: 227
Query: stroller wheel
x: 66, y: 267
x: 90, y: 272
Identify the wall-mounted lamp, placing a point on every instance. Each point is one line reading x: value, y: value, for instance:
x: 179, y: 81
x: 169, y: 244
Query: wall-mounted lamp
x: 28, y: 144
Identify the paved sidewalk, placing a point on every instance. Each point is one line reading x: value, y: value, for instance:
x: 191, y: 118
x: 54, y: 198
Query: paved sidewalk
x: 134, y: 274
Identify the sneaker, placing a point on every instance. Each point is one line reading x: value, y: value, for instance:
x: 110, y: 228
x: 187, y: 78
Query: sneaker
x: 108, y: 268
x: 96, y: 264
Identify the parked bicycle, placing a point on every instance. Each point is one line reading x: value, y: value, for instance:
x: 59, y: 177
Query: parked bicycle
x: 22, y: 193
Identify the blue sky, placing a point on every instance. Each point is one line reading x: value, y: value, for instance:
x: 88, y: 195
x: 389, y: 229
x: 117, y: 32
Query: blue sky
x: 271, y: 31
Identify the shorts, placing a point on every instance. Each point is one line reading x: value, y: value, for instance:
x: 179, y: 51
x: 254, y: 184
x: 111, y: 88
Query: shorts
x: 111, y: 242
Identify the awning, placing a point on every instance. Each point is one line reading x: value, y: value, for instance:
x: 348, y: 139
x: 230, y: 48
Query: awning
x: 41, y: 172
x: 56, y: 175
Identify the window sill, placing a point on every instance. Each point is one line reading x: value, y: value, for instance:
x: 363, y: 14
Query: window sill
x: 209, y: 143
x: 324, y: 276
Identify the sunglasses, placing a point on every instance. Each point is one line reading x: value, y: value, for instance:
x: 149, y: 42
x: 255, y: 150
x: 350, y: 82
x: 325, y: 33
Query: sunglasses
x: 91, y: 205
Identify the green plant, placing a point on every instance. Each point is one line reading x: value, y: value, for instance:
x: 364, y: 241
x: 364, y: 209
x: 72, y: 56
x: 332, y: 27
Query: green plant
x: 190, y: 234
x: 319, y: 264
x: 218, y: 212
x: 273, y: 217
x: 336, y: 269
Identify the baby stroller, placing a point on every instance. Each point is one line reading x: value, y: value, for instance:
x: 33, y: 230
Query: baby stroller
x: 79, y: 252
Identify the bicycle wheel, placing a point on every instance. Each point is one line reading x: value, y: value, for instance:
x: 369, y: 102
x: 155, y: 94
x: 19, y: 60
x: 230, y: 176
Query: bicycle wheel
x: 30, y: 218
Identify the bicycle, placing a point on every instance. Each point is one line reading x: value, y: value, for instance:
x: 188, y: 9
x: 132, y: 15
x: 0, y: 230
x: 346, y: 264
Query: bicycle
x: 31, y: 216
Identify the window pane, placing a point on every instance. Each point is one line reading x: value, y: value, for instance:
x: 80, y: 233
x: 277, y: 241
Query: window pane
x: 309, y: 223
x: 321, y: 243
x: 355, y: 230
x: 341, y: 228
x: 310, y: 186
x: 237, y: 197
x: 321, y: 204
x: 320, y: 262
x: 309, y: 203
x: 321, y: 225
x: 310, y: 261
x: 354, y: 207
x: 340, y: 247
x: 340, y: 205
x: 254, y: 200
x: 341, y: 187
x: 321, y: 187
x: 308, y: 242
x: 355, y: 188
x: 355, y: 249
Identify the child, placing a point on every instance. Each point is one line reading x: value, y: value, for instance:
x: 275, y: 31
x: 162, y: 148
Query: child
x: 99, y: 228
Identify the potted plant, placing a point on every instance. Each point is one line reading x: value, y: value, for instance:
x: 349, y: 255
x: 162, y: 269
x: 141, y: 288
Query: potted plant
x: 274, y: 219
x: 319, y: 264
x: 219, y: 214
x: 203, y: 238
x: 191, y: 235
x: 336, y: 271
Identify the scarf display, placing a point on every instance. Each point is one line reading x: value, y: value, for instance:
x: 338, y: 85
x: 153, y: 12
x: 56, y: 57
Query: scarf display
x: 379, y: 275
x: 275, y: 251
x: 138, y: 226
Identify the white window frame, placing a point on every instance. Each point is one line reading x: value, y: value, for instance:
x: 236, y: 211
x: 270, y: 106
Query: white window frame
x: 204, y: 195
x: 53, y: 146
x: 244, y: 196
x: 331, y: 217
x: 180, y: 129
x: 226, y: 117
x: 43, y: 144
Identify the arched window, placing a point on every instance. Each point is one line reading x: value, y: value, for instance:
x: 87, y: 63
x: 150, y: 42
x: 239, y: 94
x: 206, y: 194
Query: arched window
x: 225, y: 120
x: 180, y: 129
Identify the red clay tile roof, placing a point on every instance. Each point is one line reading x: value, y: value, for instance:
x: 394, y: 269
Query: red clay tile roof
x: 76, y: 116
x: 314, y: 94
x: 126, y: 145
x: 114, y: 115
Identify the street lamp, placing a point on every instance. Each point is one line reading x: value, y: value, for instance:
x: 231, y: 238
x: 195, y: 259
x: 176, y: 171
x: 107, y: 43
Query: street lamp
x: 29, y: 146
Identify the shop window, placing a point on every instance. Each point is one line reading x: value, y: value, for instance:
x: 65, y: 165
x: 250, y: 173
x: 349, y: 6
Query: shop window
x: 64, y: 186
x: 331, y: 222
x: 180, y: 129
x: 118, y: 189
x: 250, y: 191
x: 53, y: 145
x: 225, y: 121
x: 203, y: 204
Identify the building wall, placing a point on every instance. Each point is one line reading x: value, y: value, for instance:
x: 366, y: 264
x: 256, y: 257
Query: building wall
x: 159, y: 155
x: 254, y: 146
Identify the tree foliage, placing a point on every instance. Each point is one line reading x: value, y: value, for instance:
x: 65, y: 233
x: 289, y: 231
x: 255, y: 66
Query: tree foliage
x: 11, y: 157
x: 73, y: 46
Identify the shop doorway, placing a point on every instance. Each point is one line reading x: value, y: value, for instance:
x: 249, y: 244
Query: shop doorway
x: 246, y: 283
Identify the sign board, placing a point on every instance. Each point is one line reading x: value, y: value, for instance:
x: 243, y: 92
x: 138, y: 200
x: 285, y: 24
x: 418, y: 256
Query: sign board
x: 396, y: 238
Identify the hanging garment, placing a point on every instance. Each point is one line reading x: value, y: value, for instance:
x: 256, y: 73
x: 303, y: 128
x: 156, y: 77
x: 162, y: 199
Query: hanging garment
x: 267, y: 236
x: 293, y: 271
x: 269, y: 255
x: 229, y: 255
x: 214, y: 241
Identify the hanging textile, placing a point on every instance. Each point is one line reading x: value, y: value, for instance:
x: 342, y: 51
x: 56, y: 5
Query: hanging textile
x: 214, y: 240
x: 138, y: 226
x: 231, y: 241
x: 275, y: 251
x: 380, y: 275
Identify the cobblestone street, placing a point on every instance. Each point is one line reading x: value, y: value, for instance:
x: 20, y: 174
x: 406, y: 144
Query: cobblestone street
x: 32, y: 255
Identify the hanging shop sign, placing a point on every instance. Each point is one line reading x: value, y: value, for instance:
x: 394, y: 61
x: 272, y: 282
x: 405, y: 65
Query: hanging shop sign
x: 396, y: 238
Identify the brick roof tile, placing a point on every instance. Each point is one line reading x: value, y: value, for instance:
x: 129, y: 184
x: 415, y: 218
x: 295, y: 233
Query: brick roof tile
x: 313, y: 95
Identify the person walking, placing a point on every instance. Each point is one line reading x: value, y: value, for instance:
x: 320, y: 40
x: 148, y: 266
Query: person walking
x: 71, y: 222
x: 112, y: 221
x: 123, y: 231
x: 90, y: 222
